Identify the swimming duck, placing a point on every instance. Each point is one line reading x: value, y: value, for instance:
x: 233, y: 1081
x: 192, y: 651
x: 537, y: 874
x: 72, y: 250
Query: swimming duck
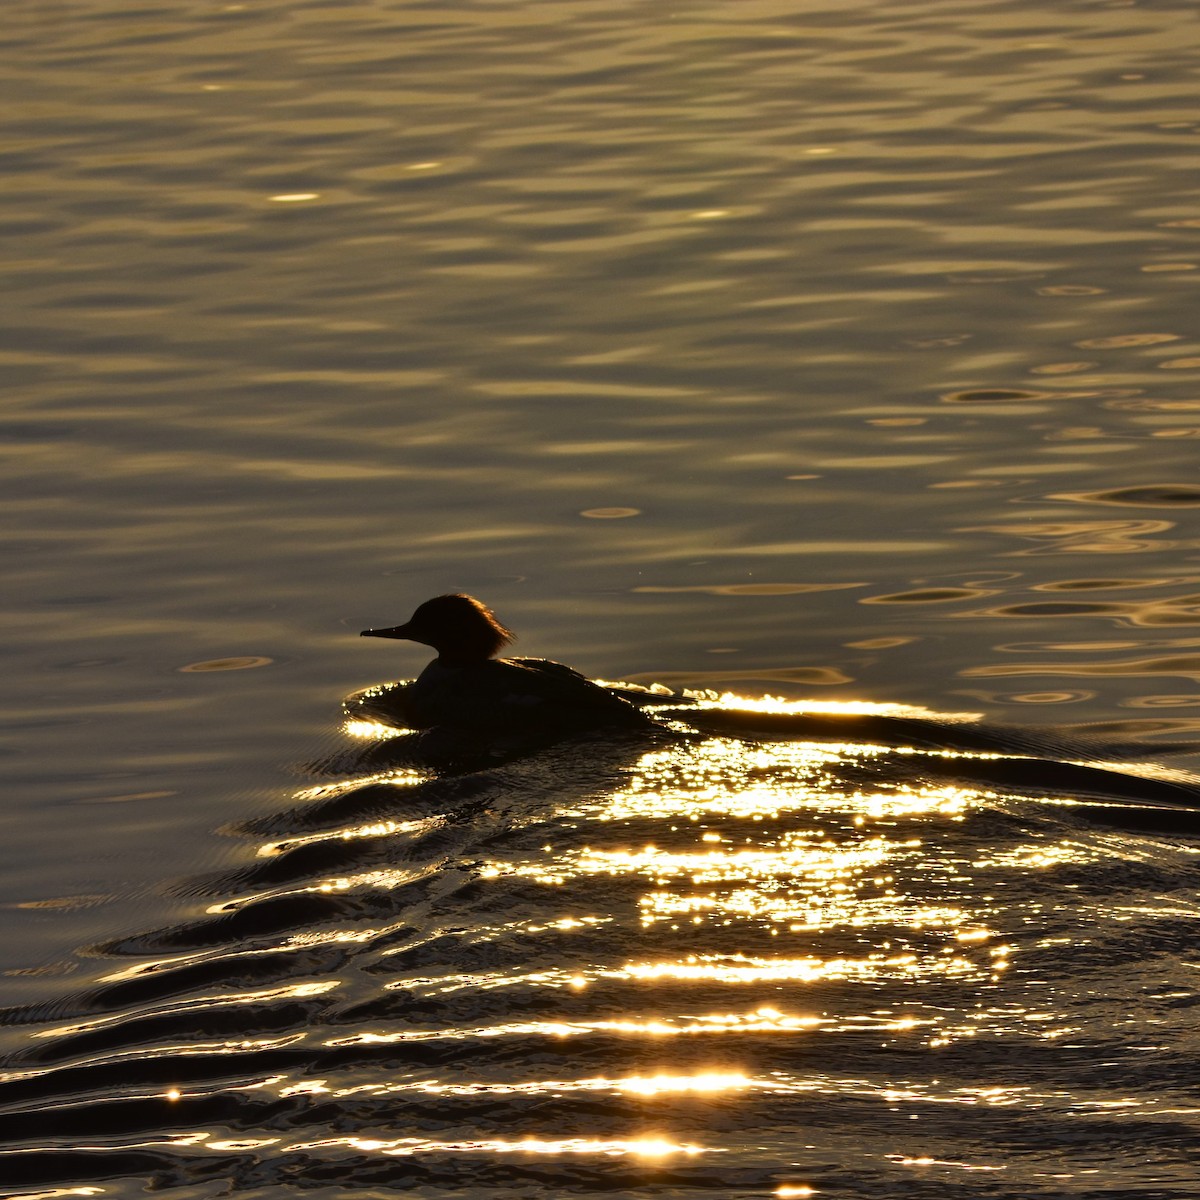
x: 466, y: 686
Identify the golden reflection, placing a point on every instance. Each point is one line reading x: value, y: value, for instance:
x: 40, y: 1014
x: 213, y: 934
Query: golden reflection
x: 1123, y: 340
x: 359, y: 727
x: 294, y: 941
x: 385, y: 880
x: 743, y: 969
x: 1005, y: 1019
x: 339, y: 787
x: 557, y: 977
x: 766, y: 872
x: 927, y: 1161
x: 930, y: 596
x: 723, y: 969
x: 995, y: 396
x: 729, y: 778
x: 1083, y: 537
x: 805, y: 883
x: 973, y: 935
x: 658, y: 1085
x: 777, y: 704
x: 812, y: 910
x: 947, y: 801
x: 751, y: 589
x: 294, y: 991
x: 813, y: 865
x: 823, y: 676
x: 375, y: 829
x: 61, y: 1193
x: 715, y: 866
x: 1039, y: 857
x: 610, y: 514
x: 1159, y: 495
x: 668, y: 1084
x: 648, y: 1086
x: 1186, y: 666
x: 228, y: 664
x: 643, y: 1147
x: 763, y: 1019
x: 307, y: 1087
x: 1062, y: 368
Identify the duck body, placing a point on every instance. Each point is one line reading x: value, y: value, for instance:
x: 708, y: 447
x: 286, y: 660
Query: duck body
x: 504, y: 694
x: 466, y: 688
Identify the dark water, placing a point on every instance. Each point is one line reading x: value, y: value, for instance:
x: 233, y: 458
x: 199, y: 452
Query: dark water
x: 839, y: 353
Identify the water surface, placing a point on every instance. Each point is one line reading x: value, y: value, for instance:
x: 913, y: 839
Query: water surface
x: 839, y: 353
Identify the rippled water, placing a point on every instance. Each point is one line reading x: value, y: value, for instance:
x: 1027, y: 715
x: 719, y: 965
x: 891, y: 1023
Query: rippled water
x: 733, y: 956
x: 837, y: 352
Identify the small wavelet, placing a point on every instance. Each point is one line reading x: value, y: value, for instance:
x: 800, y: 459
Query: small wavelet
x: 240, y: 663
x: 1122, y: 341
x: 1167, y: 495
x: 995, y: 396
x: 930, y: 596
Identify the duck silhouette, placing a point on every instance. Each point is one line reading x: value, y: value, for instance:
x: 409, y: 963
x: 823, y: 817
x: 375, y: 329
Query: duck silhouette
x: 467, y: 688
x: 470, y: 708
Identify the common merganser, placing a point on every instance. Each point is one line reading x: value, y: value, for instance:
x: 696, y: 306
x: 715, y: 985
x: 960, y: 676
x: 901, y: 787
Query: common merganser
x: 466, y: 687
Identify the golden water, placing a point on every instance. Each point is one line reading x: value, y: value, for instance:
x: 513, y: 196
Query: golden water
x: 838, y: 352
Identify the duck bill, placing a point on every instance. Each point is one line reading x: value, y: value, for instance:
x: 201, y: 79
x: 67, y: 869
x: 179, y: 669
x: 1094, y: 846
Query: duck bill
x: 396, y: 631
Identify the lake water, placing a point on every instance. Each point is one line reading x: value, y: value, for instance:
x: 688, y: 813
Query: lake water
x: 842, y: 353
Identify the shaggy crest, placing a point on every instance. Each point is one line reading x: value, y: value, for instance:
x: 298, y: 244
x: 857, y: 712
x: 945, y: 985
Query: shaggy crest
x: 459, y: 627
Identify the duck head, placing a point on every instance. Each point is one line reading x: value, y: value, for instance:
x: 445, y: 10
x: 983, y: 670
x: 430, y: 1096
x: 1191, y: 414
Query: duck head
x: 458, y: 627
